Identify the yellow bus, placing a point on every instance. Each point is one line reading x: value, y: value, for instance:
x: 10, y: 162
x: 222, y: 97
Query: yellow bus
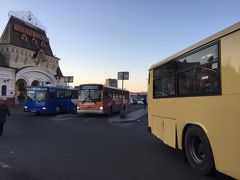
x: 194, y: 102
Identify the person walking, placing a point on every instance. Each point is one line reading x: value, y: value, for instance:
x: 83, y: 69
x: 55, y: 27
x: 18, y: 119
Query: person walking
x: 4, y: 111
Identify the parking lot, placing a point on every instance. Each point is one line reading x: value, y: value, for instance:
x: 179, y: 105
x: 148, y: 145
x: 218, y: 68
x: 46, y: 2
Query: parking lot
x: 73, y: 147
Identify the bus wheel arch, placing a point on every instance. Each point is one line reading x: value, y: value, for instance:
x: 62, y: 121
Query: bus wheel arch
x: 58, y: 109
x: 186, y: 127
x: 197, y: 149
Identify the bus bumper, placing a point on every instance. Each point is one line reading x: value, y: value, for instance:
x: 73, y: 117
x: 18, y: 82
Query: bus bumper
x: 41, y: 110
x: 90, y: 111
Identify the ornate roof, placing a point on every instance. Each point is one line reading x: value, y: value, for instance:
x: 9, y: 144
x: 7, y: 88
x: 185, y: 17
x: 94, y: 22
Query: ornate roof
x: 27, y: 17
x: 28, y: 33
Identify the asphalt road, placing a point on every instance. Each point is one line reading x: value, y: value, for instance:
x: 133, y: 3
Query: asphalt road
x: 66, y: 147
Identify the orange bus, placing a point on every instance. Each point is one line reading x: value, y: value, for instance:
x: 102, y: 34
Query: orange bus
x: 101, y: 99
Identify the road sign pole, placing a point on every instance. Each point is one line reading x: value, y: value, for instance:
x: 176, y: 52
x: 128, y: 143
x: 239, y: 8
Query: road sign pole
x: 122, y: 94
x: 123, y: 76
x: 68, y: 79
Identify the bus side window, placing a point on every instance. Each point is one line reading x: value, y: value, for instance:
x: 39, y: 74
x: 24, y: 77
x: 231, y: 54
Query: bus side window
x: 68, y: 94
x: 52, y: 95
x: 105, y: 95
x: 57, y: 93
x: 126, y: 95
x: 185, y: 83
x: 206, y: 80
x: 62, y: 94
x: 74, y: 95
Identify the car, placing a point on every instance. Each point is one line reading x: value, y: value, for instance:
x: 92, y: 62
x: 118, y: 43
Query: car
x: 130, y: 102
x: 135, y: 101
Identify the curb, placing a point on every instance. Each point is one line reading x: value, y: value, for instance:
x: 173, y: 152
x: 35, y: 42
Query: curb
x: 128, y: 120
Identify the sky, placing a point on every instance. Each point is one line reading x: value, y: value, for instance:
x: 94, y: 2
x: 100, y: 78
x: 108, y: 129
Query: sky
x: 96, y: 39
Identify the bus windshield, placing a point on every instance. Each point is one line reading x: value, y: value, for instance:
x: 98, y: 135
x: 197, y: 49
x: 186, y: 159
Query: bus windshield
x: 37, y: 95
x: 89, y: 95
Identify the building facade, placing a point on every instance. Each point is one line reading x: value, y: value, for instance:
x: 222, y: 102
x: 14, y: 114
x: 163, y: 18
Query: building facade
x: 111, y: 82
x: 26, y: 59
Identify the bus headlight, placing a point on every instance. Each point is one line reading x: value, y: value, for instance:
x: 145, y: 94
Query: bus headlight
x: 100, y: 108
x: 25, y: 107
x: 78, y: 108
x: 44, y: 108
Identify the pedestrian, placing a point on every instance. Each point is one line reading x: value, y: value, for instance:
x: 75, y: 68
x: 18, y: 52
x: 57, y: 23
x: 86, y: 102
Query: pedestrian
x: 4, y: 111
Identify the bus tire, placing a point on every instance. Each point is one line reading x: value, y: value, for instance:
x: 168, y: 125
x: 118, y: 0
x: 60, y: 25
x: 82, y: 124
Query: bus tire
x: 58, y: 110
x: 198, y: 150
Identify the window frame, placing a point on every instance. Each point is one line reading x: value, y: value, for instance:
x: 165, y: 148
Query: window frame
x: 177, y: 72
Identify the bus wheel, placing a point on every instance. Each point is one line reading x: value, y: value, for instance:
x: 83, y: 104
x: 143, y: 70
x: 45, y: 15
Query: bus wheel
x: 58, y: 110
x: 198, y: 150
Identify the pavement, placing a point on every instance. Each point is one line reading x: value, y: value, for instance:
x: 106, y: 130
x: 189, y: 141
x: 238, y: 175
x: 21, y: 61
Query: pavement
x: 16, y: 108
x: 131, y: 117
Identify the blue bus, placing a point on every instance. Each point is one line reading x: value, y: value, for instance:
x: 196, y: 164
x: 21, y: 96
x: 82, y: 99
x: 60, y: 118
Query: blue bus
x: 47, y: 100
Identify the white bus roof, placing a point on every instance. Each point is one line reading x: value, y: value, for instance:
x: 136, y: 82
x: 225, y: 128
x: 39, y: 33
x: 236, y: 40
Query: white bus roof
x: 212, y: 38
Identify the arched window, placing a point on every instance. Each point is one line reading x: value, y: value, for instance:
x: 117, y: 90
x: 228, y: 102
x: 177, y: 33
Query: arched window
x: 43, y: 44
x: 35, y: 83
x: 4, y: 90
x: 24, y: 37
x: 34, y: 41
